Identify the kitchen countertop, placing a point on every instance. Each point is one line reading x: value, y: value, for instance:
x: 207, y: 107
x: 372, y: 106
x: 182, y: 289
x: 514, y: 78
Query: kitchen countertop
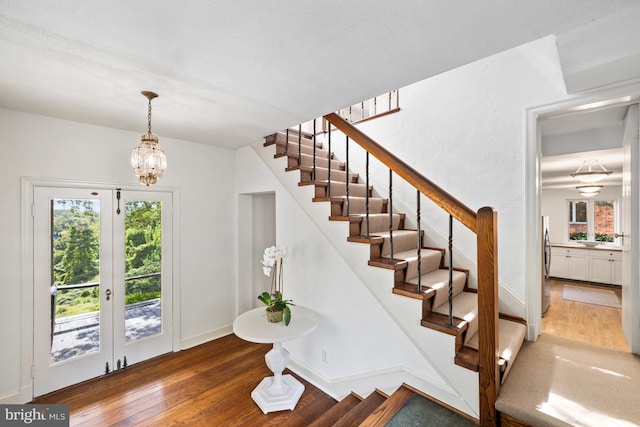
x: 577, y: 246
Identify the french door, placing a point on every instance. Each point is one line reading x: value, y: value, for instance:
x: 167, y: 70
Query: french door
x: 102, y: 282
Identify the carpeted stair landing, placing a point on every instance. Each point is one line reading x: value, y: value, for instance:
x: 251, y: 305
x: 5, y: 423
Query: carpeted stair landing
x: 560, y: 382
x: 419, y: 411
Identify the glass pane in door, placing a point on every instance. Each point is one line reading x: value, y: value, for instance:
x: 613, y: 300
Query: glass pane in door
x: 143, y: 272
x: 75, y: 275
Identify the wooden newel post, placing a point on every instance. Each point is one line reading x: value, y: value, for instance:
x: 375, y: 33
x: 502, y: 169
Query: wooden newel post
x: 489, y: 378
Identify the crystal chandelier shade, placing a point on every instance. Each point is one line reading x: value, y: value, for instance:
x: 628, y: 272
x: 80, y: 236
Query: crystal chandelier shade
x: 148, y: 159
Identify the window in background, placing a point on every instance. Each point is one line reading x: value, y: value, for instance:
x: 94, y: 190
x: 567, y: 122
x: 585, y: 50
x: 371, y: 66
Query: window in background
x: 593, y: 220
x: 604, y: 224
x: 578, y: 225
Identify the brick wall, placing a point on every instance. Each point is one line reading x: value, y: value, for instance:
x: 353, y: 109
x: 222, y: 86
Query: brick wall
x: 603, y: 218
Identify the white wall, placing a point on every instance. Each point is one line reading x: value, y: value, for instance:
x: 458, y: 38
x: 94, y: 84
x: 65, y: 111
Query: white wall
x: 465, y: 130
x: 42, y: 147
x: 555, y: 204
x: 366, y: 348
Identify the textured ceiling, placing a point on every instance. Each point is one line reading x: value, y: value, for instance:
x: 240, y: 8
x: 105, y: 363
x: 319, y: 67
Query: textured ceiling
x: 229, y: 72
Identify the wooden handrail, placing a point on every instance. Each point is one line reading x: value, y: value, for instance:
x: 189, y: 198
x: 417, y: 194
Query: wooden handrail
x: 484, y: 224
x: 446, y: 201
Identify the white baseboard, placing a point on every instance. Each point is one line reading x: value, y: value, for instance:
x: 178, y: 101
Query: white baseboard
x: 25, y: 395
x: 206, y: 337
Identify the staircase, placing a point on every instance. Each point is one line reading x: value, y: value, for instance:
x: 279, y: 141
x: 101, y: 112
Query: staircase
x: 376, y: 410
x: 420, y: 272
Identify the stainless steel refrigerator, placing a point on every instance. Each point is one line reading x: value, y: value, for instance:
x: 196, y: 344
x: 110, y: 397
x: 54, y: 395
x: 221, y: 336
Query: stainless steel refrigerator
x: 546, y: 265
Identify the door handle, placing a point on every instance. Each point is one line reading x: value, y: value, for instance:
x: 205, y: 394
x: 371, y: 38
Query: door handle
x: 621, y: 235
x: 108, y: 294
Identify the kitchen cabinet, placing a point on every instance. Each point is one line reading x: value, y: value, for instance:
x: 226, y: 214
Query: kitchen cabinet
x: 606, y: 267
x: 588, y: 265
x: 570, y: 263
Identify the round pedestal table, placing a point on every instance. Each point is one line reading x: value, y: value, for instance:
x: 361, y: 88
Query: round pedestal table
x: 279, y: 392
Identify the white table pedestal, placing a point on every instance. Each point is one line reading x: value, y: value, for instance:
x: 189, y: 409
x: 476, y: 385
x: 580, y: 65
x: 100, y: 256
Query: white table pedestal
x: 279, y: 392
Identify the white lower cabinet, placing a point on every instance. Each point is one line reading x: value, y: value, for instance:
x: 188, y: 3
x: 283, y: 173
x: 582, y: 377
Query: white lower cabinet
x: 589, y: 265
x: 606, y: 267
x: 570, y: 263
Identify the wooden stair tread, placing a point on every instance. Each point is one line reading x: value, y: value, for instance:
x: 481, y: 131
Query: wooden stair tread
x: 387, y: 409
x: 439, y: 281
x: 431, y: 259
x: 440, y: 322
x: 336, y: 412
x: 465, y: 307
x: 411, y: 291
x: 306, y: 138
x: 357, y: 205
x: 316, y: 408
x: 510, y: 340
x: 362, y: 410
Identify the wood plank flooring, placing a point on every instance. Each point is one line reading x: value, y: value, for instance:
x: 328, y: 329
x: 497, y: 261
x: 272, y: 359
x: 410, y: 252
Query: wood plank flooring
x: 593, y: 324
x: 208, y: 385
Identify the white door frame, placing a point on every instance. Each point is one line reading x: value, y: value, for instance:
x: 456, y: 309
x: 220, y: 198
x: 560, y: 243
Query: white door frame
x: 611, y: 96
x: 27, y: 267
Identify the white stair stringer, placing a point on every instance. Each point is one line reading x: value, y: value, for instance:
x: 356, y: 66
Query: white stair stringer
x: 437, y: 348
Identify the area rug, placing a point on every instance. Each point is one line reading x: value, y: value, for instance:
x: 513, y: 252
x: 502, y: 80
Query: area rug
x: 606, y: 297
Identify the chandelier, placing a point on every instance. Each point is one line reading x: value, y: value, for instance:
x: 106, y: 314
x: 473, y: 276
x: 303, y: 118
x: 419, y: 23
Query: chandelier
x: 148, y: 159
x: 591, y: 171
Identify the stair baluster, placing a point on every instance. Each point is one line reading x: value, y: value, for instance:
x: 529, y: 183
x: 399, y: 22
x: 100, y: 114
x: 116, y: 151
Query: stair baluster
x: 299, y: 145
x: 286, y: 144
x: 366, y: 192
x: 450, y: 270
x: 329, y: 169
x: 347, y: 169
x: 419, y: 243
x: 391, y: 214
x: 314, y: 150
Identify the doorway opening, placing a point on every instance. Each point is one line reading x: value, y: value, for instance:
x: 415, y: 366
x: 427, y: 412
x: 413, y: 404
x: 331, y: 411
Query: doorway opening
x: 555, y: 140
x: 257, y: 214
x: 584, y: 282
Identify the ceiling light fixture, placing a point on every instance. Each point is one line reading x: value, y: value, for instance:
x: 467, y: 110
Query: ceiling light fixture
x: 591, y: 171
x: 589, y: 190
x: 583, y: 194
x: 148, y: 159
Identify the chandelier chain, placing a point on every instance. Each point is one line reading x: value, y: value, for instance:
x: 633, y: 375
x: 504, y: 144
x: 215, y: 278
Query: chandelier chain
x: 149, y: 115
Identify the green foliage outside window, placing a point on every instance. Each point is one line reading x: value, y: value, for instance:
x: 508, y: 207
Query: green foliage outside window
x: 76, y: 253
x: 604, y: 237
x: 578, y: 235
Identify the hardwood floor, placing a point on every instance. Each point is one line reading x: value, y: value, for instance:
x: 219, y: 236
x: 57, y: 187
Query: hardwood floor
x: 594, y: 324
x: 208, y: 385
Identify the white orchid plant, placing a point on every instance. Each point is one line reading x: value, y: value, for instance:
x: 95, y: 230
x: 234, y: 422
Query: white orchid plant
x: 272, y: 266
